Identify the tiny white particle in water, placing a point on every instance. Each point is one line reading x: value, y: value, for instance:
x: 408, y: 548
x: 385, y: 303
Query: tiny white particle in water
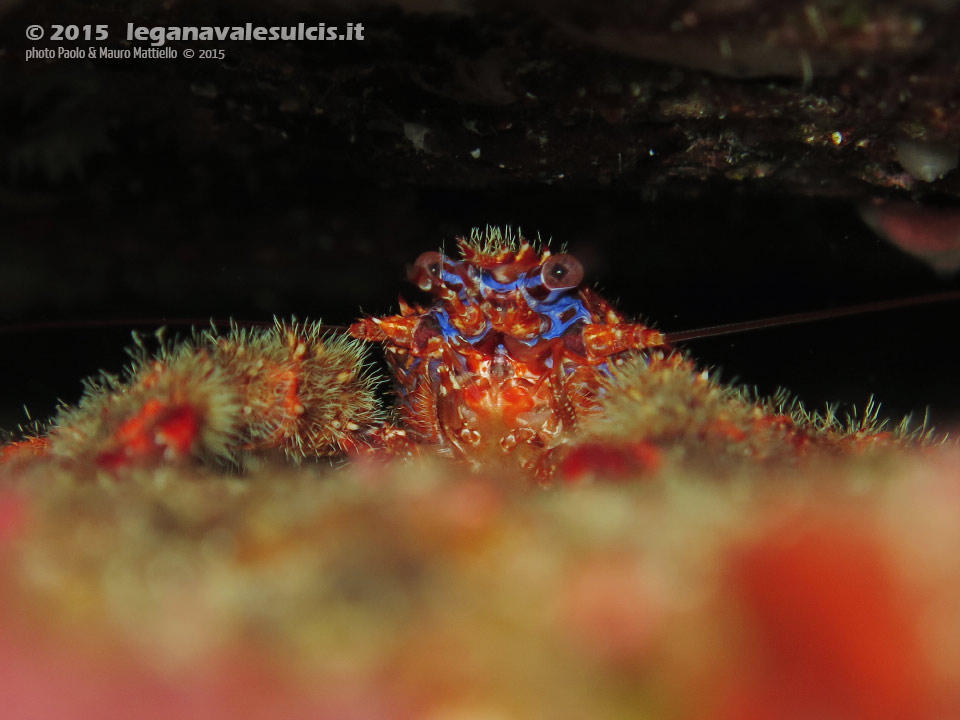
x: 417, y: 135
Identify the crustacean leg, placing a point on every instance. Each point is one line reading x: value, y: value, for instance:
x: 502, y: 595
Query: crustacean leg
x: 291, y: 389
x: 605, y: 340
x: 397, y: 329
x: 381, y: 442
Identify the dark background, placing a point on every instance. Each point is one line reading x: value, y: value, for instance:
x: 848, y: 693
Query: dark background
x: 283, y: 181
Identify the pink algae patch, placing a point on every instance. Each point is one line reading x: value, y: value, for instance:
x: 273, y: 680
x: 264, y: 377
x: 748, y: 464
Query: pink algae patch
x: 43, y: 681
x: 830, y: 629
x: 610, y: 610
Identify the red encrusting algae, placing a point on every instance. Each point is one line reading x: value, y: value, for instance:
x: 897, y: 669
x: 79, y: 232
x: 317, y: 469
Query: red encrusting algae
x: 830, y: 627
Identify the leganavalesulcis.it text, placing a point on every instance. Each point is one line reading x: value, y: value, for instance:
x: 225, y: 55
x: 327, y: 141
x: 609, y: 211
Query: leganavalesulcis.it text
x: 159, y: 35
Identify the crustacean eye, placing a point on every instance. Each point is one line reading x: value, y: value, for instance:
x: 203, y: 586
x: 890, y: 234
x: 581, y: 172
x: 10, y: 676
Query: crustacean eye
x: 431, y: 263
x: 427, y: 269
x: 561, y: 272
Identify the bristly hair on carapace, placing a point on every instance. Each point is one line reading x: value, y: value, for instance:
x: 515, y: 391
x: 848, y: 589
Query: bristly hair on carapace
x: 221, y: 397
x: 681, y: 409
x: 493, y: 241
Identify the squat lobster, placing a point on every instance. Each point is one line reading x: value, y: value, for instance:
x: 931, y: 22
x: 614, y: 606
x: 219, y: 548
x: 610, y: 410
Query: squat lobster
x: 514, y: 363
x: 509, y: 357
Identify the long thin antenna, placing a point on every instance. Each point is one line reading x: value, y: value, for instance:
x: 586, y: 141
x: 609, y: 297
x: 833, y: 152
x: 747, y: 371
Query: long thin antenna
x: 805, y: 317
x: 111, y: 322
x: 671, y: 337
x: 137, y: 322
